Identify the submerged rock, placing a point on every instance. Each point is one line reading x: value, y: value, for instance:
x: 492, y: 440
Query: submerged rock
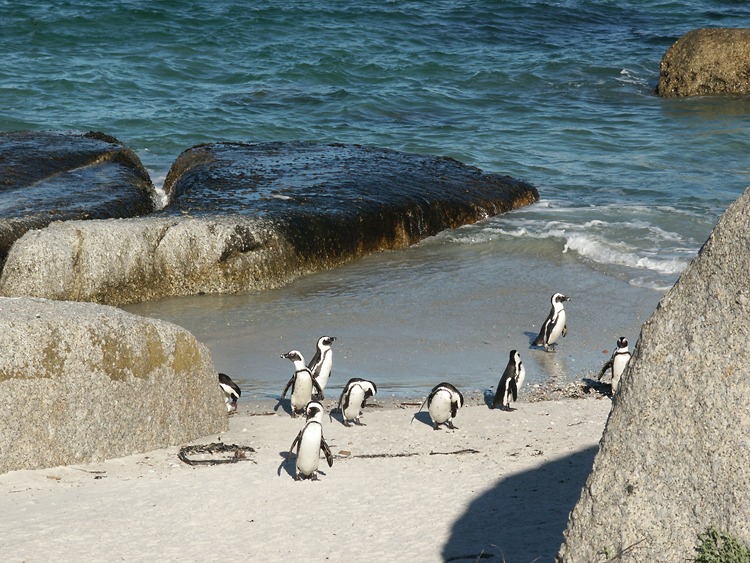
x: 81, y: 382
x: 707, y: 61
x: 248, y: 217
x: 46, y: 177
x: 675, y: 457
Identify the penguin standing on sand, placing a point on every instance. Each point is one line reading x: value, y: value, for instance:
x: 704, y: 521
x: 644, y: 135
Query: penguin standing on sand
x: 510, y: 382
x: 555, y: 324
x: 302, y: 383
x: 231, y: 390
x: 443, y: 403
x: 353, y: 398
x: 617, y: 363
x: 322, y: 363
x: 310, y: 443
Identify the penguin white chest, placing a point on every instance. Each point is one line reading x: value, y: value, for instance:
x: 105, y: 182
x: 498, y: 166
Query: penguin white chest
x: 356, y: 396
x: 302, y: 391
x: 557, y: 329
x: 440, y: 407
x: 325, y: 369
x: 618, y: 367
x: 308, y: 455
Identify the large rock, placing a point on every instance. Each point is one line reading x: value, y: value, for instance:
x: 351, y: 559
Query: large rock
x: 81, y: 382
x: 249, y: 217
x: 675, y: 455
x: 707, y: 61
x: 47, y: 177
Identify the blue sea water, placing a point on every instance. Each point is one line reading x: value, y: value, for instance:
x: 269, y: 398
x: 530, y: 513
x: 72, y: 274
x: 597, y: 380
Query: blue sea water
x: 556, y: 93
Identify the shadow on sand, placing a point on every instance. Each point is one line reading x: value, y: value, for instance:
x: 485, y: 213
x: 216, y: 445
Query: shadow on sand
x: 523, y: 517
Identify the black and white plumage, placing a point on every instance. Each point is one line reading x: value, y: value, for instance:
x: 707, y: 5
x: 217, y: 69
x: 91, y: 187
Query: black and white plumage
x: 443, y: 403
x: 322, y: 363
x: 302, y: 383
x: 555, y: 325
x: 309, y: 443
x: 231, y: 390
x: 353, y: 398
x: 617, y: 363
x: 510, y: 382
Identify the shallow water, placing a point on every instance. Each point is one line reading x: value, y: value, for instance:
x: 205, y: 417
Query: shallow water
x: 411, y: 319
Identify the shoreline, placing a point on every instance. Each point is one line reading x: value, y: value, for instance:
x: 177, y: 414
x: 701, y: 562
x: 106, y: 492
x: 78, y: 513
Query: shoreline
x: 502, y: 484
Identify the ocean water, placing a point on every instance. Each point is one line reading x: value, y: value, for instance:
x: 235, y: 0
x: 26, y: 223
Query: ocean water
x: 557, y: 93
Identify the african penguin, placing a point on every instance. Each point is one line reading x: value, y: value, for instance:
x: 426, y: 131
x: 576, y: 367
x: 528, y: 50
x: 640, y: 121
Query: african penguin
x: 302, y: 383
x: 231, y: 390
x: 353, y: 398
x: 443, y: 403
x: 617, y: 363
x: 309, y: 443
x: 510, y: 382
x: 322, y: 362
x: 555, y: 324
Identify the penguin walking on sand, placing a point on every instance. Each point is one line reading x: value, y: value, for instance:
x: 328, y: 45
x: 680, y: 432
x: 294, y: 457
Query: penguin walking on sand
x: 555, y: 325
x: 322, y: 363
x: 309, y: 443
x: 353, y: 398
x: 617, y: 363
x: 302, y: 383
x: 443, y: 403
x: 231, y: 391
x: 510, y: 382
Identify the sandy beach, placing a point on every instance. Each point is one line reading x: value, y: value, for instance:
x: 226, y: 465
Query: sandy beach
x: 498, y: 487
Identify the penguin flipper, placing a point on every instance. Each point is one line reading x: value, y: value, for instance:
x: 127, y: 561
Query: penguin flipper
x: 288, y: 385
x: 514, y: 389
x: 318, y: 388
x: 604, y: 369
x: 296, y: 442
x: 327, y: 452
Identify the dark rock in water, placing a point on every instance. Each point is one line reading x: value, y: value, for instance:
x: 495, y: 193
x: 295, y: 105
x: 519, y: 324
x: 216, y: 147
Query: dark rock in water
x: 253, y: 217
x: 47, y: 177
x: 674, y: 459
x: 335, y: 201
x: 707, y: 61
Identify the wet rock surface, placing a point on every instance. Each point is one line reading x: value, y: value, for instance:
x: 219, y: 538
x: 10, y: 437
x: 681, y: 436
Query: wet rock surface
x: 336, y: 201
x: 46, y: 177
x: 247, y: 217
x: 81, y: 382
x: 707, y: 62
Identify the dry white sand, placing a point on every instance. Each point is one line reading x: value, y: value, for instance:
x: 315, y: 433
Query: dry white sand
x: 397, y: 491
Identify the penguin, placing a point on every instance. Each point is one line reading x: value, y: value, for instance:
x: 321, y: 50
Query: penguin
x: 322, y: 362
x: 617, y: 363
x: 231, y: 390
x: 353, y: 398
x: 302, y: 383
x: 555, y: 324
x: 309, y: 443
x: 443, y: 403
x: 510, y: 382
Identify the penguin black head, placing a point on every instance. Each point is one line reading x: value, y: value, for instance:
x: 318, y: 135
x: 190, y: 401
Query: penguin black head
x: 325, y: 340
x: 559, y: 298
x: 622, y: 342
x: 293, y: 355
x: 313, y: 409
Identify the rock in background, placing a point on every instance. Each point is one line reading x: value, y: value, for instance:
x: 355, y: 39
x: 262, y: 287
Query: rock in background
x: 46, y: 177
x: 707, y: 61
x: 81, y: 382
x: 675, y: 455
x: 248, y: 217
